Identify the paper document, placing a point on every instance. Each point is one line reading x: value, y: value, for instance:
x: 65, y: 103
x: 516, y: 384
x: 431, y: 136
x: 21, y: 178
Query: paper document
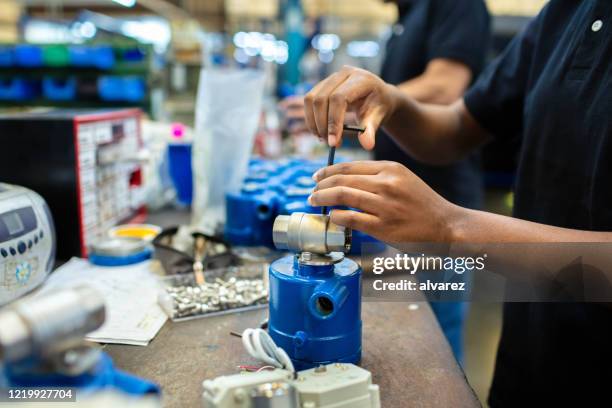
x: 133, y: 315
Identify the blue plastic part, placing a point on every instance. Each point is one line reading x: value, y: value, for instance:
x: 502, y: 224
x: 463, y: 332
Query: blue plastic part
x: 125, y: 89
x: 179, y: 166
x: 97, y: 56
x: 104, y: 260
x: 315, y: 311
x: 104, y: 375
x: 59, y: 89
x: 272, y: 188
x: 133, y: 55
x: 17, y: 89
x: 250, y: 216
x: 7, y: 58
x: 28, y: 55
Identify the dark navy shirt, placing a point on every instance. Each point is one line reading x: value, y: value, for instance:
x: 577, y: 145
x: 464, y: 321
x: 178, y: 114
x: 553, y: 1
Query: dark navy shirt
x: 426, y: 30
x: 553, y: 86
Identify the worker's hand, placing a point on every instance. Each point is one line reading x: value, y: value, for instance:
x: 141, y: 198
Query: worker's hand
x: 350, y: 89
x: 396, y: 206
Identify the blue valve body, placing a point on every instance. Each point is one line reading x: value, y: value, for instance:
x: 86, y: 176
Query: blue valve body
x: 315, y: 311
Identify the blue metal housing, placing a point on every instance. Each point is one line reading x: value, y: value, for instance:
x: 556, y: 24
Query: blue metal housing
x: 315, y: 311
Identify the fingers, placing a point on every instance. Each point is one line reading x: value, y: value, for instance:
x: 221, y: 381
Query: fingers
x: 359, y: 167
x: 354, y: 220
x: 373, y: 115
x: 352, y: 89
x: 294, y: 114
x: 292, y: 102
x: 361, y: 182
x: 316, y: 103
x: 346, y: 196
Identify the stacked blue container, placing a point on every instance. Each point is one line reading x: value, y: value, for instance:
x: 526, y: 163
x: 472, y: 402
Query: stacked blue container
x: 274, y: 188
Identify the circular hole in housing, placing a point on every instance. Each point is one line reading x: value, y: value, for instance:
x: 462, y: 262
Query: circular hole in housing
x: 263, y: 210
x: 324, y: 306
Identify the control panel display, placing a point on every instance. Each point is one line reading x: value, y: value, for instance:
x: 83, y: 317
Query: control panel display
x: 13, y: 223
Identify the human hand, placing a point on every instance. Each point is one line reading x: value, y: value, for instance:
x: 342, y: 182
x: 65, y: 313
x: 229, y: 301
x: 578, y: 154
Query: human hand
x: 348, y: 90
x: 396, y: 206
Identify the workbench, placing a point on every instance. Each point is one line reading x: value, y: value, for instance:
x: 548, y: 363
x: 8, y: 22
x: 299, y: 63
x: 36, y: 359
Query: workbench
x: 403, y: 347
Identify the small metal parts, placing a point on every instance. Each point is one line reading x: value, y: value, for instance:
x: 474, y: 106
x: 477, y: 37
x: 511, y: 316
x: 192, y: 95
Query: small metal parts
x: 220, y: 295
x: 302, y: 232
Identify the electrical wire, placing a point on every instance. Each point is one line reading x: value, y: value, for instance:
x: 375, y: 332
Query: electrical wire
x: 260, y: 345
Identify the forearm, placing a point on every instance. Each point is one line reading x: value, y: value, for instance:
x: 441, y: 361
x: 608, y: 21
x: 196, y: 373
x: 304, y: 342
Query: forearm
x: 471, y: 226
x: 431, y: 133
x: 532, y: 252
x: 431, y: 90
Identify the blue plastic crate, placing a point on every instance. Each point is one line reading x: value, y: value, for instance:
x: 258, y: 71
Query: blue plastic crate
x: 99, y: 56
x: 59, y: 89
x: 7, y: 57
x: 28, y: 55
x: 126, y: 89
x: 17, y: 89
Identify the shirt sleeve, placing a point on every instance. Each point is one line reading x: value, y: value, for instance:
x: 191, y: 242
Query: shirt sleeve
x: 496, y: 99
x: 459, y: 30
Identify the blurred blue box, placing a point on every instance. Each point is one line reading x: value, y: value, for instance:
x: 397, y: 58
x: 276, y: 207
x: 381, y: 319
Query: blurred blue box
x: 133, y: 55
x: 28, y: 55
x: 7, y: 58
x: 126, y: 89
x: 16, y: 89
x: 99, y: 56
x: 59, y: 89
x: 179, y: 167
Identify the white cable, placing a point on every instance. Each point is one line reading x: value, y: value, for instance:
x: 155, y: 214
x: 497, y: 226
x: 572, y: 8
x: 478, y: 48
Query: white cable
x: 260, y: 345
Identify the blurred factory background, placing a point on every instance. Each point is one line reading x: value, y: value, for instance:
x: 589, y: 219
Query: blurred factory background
x: 149, y: 54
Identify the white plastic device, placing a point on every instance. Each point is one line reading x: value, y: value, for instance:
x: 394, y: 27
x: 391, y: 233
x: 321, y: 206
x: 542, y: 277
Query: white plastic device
x: 336, y: 385
x: 27, y: 241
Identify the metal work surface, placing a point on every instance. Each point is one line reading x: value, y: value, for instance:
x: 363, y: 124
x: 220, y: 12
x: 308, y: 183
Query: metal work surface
x: 403, y: 348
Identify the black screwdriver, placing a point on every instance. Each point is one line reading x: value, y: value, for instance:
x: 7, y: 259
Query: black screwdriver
x: 332, y: 151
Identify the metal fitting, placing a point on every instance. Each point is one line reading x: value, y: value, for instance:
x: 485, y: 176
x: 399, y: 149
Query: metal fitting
x: 300, y: 232
x: 35, y: 325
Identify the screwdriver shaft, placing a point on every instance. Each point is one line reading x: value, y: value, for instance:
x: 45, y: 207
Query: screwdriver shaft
x: 330, y: 161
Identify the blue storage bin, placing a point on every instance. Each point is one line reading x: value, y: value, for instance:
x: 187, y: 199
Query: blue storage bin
x: 28, y: 55
x: 133, y: 55
x: 16, y: 89
x: 99, y: 56
x: 179, y: 166
x: 135, y: 89
x: 80, y: 56
x: 126, y: 89
x: 56, y: 89
x: 7, y: 58
x: 103, y: 56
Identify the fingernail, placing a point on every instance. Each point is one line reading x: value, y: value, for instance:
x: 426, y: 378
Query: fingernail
x: 331, y: 140
x: 309, y: 200
x: 315, y: 176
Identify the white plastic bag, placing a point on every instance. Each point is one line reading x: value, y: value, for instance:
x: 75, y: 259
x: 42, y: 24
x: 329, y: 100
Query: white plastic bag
x: 228, y: 109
